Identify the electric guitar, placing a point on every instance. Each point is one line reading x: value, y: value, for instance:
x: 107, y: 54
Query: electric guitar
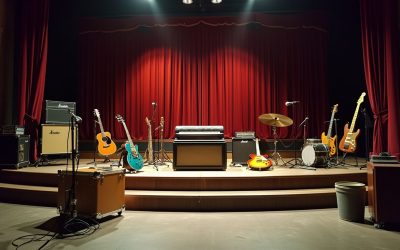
x: 105, y: 145
x: 135, y: 160
x: 327, y: 139
x: 149, y: 150
x: 258, y: 161
x: 348, y: 142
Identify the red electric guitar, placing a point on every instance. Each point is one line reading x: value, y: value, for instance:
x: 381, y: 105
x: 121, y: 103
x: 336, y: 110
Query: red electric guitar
x: 258, y: 161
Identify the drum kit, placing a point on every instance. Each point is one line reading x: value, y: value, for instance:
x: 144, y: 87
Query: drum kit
x: 314, y: 152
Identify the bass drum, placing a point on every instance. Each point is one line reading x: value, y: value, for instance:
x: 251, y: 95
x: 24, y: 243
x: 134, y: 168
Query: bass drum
x: 315, y: 154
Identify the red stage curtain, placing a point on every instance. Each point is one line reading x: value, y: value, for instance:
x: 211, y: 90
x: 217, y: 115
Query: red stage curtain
x: 204, y: 71
x: 380, y: 52
x: 32, y: 32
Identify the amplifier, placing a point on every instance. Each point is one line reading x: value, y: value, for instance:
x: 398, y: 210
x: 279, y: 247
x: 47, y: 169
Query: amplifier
x: 241, y: 149
x: 14, y: 151
x: 12, y: 130
x: 245, y: 135
x: 58, y: 112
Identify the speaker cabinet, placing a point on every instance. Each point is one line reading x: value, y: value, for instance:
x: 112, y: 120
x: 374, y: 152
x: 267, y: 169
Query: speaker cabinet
x: 195, y: 155
x: 241, y: 149
x: 56, y: 139
x: 14, y: 151
x: 383, y: 194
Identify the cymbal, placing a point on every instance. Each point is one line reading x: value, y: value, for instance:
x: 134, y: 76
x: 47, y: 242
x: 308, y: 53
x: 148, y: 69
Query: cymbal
x: 276, y: 120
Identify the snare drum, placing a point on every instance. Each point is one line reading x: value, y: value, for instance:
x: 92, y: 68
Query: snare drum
x: 315, y: 154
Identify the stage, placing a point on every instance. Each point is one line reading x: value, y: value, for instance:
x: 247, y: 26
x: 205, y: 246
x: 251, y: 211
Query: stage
x: 160, y: 188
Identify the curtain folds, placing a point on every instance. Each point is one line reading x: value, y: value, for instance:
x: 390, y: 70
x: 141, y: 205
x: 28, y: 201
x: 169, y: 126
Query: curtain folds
x: 380, y: 52
x: 203, y: 71
x: 32, y: 33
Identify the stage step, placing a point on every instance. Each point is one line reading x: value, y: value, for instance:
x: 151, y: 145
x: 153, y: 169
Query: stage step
x: 150, y: 200
x: 237, y: 189
x: 257, y: 200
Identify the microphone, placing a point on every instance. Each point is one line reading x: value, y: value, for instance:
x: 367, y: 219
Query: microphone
x: 291, y: 103
x: 77, y: 118
x: 303, y: 121
x: 154, y: 104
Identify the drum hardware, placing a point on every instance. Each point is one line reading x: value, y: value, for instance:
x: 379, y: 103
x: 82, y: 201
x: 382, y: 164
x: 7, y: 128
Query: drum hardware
x: 301, y: 164
x: 275, y: 120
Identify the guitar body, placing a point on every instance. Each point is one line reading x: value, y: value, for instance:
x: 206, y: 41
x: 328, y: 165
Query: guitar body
x: 135, y: 162
x: 259, y: 162
x: 348, y: 142
x: 105, y: 145
x: 331, y: 143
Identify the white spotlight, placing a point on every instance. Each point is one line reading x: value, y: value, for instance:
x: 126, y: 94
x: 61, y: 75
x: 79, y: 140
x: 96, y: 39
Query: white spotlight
x: 216, y: 1
x: 187, y: 1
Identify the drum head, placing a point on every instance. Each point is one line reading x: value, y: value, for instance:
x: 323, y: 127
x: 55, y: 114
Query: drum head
x: 308, y: 155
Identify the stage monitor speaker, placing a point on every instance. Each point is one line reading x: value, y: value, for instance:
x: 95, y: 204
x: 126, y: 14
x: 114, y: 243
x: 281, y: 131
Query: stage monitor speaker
x: 14, y: 151
x: 199, y: 156
x: 241, y: 149
x: 56, y: 139
x: 58, y: 112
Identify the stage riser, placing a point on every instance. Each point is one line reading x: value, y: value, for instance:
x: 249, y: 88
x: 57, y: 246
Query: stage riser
x: 198, y: 201
x: 138, y: 182
x: 239, y: 183
x: 29, y: 197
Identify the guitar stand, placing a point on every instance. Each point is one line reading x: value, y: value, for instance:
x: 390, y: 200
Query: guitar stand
x: 343, y: 161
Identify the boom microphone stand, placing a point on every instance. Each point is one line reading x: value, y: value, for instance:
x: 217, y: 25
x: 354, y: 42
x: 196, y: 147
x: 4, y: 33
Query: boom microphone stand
x: 94, y: 144
x: 154, y: 104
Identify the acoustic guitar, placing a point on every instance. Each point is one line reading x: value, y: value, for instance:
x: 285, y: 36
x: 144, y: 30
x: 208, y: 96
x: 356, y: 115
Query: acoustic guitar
x: 258, y: 161
x: 105, y: 145
x: 135, y: 160
x: 149, y: 151
x: 328, y: 139
x: 348, y: 142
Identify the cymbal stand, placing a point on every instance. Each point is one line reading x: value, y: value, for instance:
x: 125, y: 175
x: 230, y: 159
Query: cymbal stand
x: 275, y: 155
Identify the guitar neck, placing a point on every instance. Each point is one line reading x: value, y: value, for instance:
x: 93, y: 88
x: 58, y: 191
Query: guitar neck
x: 150, y: 146
x: 330, y: 125
x: 353, y: 122
x: 128, y: 135
x: 257, y: 148
x: 101, y: 127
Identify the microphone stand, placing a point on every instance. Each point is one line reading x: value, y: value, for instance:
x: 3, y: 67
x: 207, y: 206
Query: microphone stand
x: 366, y: 123
x: 304, y: 124
x: 154, y: 104
x: 94, y: 144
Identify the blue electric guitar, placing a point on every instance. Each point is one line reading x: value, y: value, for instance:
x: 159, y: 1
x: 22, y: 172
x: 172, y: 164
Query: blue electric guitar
x: 134, y: 158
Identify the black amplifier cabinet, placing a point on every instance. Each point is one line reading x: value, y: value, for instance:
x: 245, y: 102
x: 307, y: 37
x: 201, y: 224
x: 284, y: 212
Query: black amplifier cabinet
x: 199, y: 155
x: 58, y: 112
x: 241, y: 149
x: 14, y: 151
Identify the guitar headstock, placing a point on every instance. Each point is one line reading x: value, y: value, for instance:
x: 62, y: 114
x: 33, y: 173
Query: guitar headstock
x: 96, y: 112
x: 334, y: 109
x: 148, y: 121
x: 361, y: 99
x: 120, y: 118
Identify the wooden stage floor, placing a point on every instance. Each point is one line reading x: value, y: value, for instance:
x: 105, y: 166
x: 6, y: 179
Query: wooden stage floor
x: 351, y: 165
